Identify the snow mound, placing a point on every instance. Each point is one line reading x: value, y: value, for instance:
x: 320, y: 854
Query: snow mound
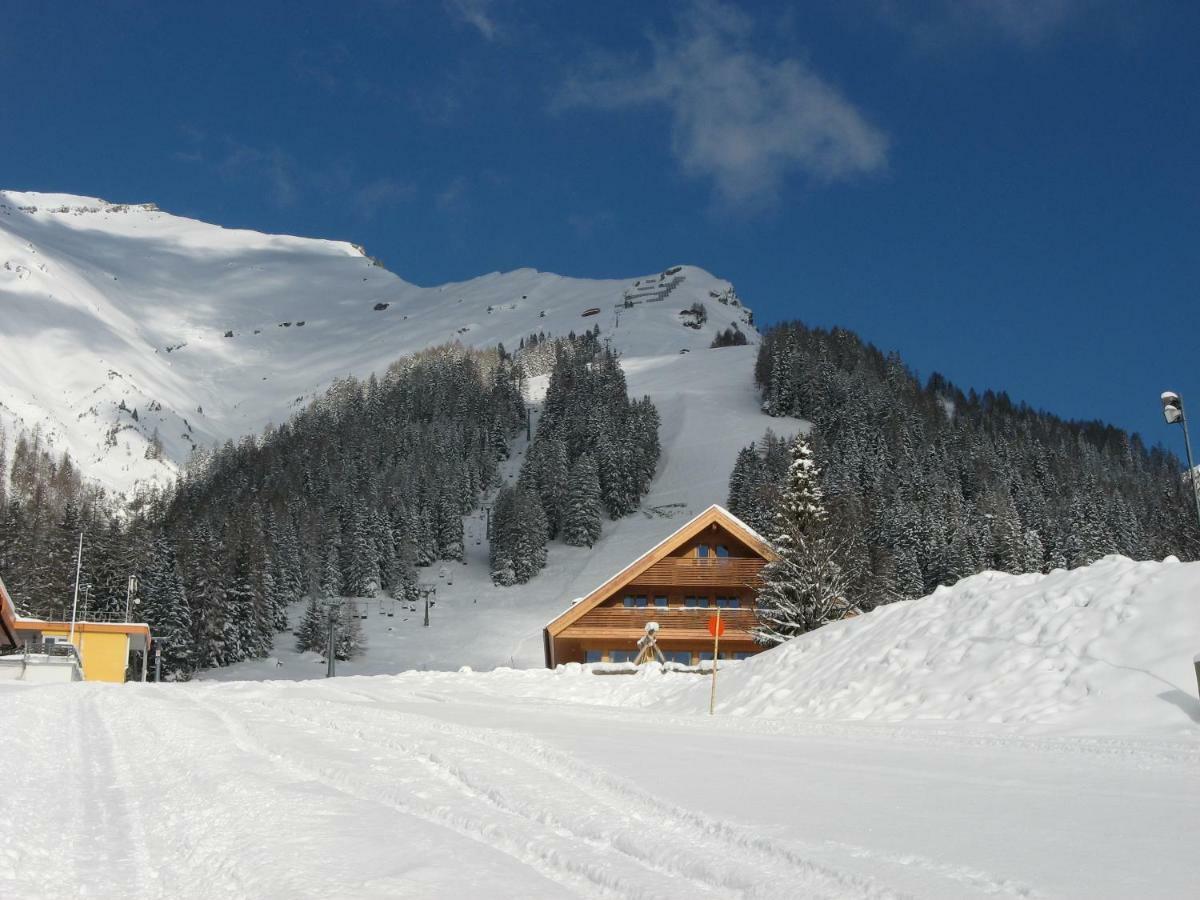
x: 1104, y: 648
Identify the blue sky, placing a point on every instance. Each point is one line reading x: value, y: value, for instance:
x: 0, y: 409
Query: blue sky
x: 1006, y: 191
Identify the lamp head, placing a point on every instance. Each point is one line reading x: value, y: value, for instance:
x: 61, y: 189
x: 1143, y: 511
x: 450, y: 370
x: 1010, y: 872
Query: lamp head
x: 1172, y: 407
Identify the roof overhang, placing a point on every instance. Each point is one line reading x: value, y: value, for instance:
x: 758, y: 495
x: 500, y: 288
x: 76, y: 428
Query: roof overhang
x: 137, y: 632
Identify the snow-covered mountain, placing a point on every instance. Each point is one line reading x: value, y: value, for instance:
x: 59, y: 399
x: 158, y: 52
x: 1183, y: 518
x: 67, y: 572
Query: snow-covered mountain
x: 122, y: 322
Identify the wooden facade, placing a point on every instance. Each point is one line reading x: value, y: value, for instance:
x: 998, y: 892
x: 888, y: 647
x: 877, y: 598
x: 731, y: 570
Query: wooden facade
x: 8, y: 620
x: 711, y: 562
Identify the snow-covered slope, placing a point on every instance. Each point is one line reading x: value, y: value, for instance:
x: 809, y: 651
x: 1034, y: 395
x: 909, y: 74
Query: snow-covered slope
x: 1104, y: 648
x: 210, y: 333
x: 1019, y: 736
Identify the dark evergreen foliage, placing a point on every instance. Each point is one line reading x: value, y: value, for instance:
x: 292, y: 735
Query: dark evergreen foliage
x: 730, y: 337
x: 347, y: 497
x: 927, y: 484
x: 595, y: 449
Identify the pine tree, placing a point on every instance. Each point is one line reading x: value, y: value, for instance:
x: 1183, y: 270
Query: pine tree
x: 311, y: 633
x: 806, y: 586
x: 581, y: 522
x: 167, y: 612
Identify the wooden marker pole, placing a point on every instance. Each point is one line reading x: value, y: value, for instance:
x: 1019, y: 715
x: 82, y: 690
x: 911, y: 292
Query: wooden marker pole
x: 715, y: 627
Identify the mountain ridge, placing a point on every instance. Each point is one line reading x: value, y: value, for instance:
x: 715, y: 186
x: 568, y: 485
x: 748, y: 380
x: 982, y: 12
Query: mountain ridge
x: 142, y: 335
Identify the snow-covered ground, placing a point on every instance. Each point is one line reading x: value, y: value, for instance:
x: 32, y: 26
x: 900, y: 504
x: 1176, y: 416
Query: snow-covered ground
x: 1027, y: 736
x: 211, y: 333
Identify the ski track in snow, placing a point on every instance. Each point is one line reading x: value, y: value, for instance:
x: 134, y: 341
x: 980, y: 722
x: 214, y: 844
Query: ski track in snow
x: 533, y: 811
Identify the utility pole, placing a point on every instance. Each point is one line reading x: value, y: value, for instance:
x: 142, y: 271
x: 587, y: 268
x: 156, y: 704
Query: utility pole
x: 1173, y: 412
x: 157, y: 663
x: 75, y: 603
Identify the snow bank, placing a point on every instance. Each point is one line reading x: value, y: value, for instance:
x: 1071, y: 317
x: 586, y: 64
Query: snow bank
x: 1107, y: 647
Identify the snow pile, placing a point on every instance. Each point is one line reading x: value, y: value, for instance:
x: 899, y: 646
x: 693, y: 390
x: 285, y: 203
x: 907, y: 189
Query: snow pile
x: 1107, y: 647
x: 124, y: 323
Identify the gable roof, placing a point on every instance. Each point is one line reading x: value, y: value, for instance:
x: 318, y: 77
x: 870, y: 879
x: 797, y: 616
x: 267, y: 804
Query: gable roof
x: 713, y: 515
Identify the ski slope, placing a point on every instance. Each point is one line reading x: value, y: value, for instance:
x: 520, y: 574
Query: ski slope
x: 209, y: 333
x: 709, y: 411
x: 1040, y: 780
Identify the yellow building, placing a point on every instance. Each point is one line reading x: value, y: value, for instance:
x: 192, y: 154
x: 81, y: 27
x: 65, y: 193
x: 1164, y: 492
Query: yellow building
x: 104, y: 647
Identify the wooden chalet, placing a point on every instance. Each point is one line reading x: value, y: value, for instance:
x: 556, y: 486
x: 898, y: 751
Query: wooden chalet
x: 711, y: 562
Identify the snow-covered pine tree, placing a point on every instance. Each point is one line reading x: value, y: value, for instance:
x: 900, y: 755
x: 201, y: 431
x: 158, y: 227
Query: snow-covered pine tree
x: 165, y: 608
x: 581, y: 522
x: 311, y: 633
x: 350, y: 639
x: 806, y: 586
x: 330, y: 585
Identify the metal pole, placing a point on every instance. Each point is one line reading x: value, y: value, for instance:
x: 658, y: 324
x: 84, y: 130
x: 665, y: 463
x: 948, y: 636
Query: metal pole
x: 330, y: 660
x: 145, y: 662
x: 157, y: 664
x: 1187, y: 444
x: 426, y: 610
x: 75, y: 603
x: 712, y: 697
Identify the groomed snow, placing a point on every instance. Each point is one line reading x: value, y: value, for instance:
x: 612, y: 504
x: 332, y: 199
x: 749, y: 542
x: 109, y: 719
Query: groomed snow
x: 1059, y: 756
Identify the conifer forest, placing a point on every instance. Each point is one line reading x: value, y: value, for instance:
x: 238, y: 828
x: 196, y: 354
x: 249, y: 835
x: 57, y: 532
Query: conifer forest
x: 925, y: 484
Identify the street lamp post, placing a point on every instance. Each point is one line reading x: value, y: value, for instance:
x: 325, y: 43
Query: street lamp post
x: 131, y: 589
x: 1173, y: 412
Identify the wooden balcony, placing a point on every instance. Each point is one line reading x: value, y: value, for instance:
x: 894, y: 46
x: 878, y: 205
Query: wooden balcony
x: 679, y: 623
x: 687, y: 571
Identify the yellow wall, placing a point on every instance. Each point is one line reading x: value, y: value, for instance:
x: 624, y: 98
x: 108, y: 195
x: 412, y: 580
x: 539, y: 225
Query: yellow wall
x: 105, y: 656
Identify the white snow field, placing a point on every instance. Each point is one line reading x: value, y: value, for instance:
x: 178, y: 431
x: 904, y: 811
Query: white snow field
x: 210, y: 333
x: 1028, y: 736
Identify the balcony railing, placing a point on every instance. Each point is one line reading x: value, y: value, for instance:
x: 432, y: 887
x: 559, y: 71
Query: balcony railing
x: 674, y: 622
x: 693, y: 571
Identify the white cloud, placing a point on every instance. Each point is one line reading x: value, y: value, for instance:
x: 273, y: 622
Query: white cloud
x: 477, y: 14
x: 380, y: 193
x: 738, y: 118
x: 946, y: 22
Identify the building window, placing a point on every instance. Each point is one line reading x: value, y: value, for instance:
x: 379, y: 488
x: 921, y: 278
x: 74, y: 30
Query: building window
x: 695, y: 602
x: 742, y: 655
x: 620, y: 656
x: 660, y: 602
x: 683, y: 657
x: 722, y: 551
x: 729, y: 602
x: 631, y: 601
x: 702, y: 550
x: 595, y: 656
